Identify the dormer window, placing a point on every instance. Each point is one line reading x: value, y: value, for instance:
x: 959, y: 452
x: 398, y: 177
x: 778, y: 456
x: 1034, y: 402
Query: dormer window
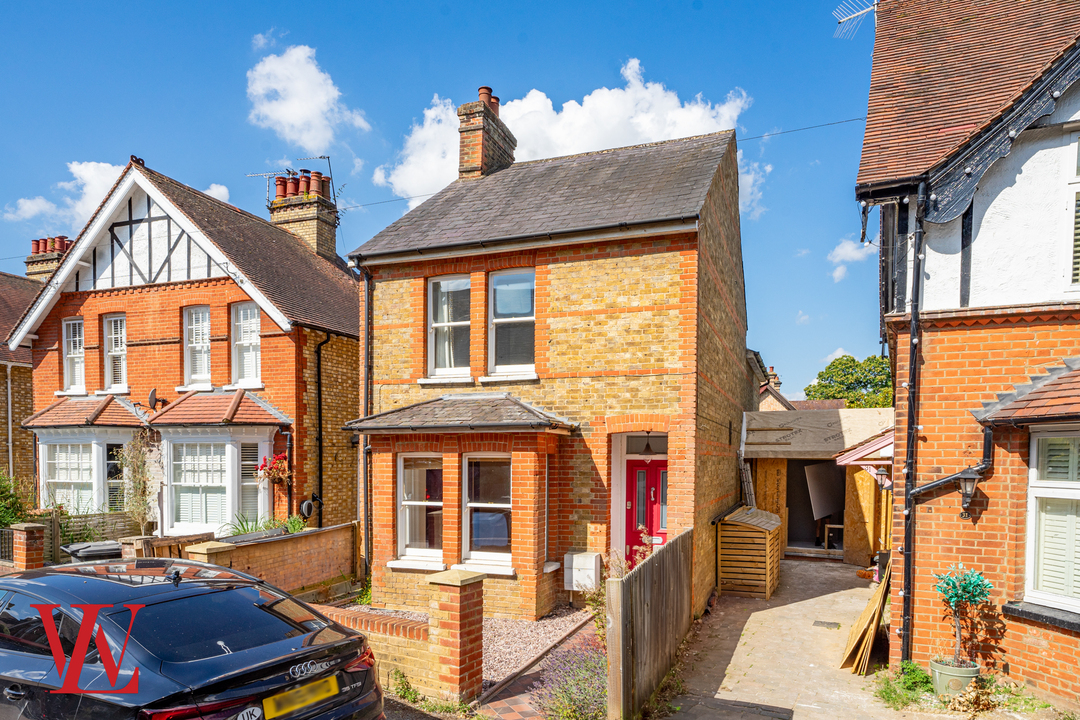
x: 197, y: 346
x: 115, y: 353
x: 247, y: 360
x: 513, y: 322
x: 74, y: 367
x: 448, y: 326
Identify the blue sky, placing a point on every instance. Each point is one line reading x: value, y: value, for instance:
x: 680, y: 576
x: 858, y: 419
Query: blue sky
x: 208, y: 93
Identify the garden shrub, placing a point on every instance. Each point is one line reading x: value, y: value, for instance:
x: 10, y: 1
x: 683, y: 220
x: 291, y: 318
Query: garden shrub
x: 574, y: 684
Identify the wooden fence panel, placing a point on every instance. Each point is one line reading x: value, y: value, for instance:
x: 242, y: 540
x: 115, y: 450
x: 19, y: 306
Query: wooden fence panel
x: 648, y: 614
x: 65, y: 529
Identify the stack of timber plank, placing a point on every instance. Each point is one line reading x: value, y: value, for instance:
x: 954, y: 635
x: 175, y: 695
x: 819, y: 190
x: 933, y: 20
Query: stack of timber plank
x: 861, y: 638
x: 750, y: 552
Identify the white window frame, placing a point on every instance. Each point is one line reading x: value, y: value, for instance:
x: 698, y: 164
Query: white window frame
x: 86, y: 475
x: 73, y: 359
x: 416, y: 553
x: 480, y: 557
x: 114, y: 355
x: 232, y: 442
x: 237, y: 343
x: 1045, y: 489
x: 100, y: 438
x: 432, y: 325
x: 191, y: 382
x: 511, y: 370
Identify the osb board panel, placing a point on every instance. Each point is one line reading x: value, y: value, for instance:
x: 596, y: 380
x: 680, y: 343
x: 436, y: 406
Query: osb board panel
x: 770, y: 484
x: 814, y: 434
x: 859, y: 514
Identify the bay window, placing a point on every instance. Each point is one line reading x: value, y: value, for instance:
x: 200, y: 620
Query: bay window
x: 197, y: 346
x: 1053, y: 552
x: 420, y: 506
x: 198, y: 484
x: 74, y: 367
x: 247, y: 360
x: 69, y: 477
x: 115, y: 353
x: 487, y: 509
x: 249, y: 481
x: 513, y: 320
x: 448, y: 326
x: 114, y: 478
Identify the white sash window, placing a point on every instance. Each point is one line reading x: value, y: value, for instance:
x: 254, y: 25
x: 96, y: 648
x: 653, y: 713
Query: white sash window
x: 116, y: 353
x: 69, y: 477
x: 197, y: 346
x: 513, y: 322
x: 448, y: 326
x: 74, y: 368
x: 199, y: 476
x: 488, y: 512
x: 247, y: 361
x: 420, y: 506
x: 249, y: 481
x: 1053, y: 562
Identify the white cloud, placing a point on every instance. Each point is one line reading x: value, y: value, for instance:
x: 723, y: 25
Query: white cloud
x: 357, y: 166
x: 751, y: 179
x: 218, y: 191
x: 802, y: 318
x: 848, y: 251
x: 837, y: 353
x: 264, y: 40
x: 26, y: 208
x: 638, y: 112
x: 802, y: 252
x: 796, y: 395
x: 292, y: 96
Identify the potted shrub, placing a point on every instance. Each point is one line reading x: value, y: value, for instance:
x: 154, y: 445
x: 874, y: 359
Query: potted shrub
x: 961, y: 590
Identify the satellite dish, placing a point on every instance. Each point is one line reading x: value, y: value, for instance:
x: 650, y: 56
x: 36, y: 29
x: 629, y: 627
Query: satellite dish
x: 152, y: 400
x: 307, y: 508
x: 849, y: 16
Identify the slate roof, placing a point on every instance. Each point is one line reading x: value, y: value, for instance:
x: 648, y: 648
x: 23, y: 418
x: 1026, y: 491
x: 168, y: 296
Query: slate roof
x: 219, y: 408
x: 631, y: 185
x: 463, y: 413
x: 16, y: 294
x: 89, y: 411
x: 308, y: 289
x: 942, y: 71
x: 1053, y: 397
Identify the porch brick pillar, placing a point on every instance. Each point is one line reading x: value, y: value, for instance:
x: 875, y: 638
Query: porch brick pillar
x: 527, y: 530
x: 135, y: 546
x: 213, y: 552
x: 29, y: 546
x: 456, y: 631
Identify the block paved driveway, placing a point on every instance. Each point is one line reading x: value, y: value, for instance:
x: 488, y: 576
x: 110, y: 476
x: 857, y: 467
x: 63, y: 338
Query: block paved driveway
x: 754, y: 658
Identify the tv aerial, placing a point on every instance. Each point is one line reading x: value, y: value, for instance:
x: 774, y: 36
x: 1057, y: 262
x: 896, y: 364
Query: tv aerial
x: 850, y: 15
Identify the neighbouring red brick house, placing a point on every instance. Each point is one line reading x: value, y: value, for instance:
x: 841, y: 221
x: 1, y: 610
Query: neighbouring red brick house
x: 246, y: 332
x: 16, y: 381
x: 971, y: 152
x: 558, y: 358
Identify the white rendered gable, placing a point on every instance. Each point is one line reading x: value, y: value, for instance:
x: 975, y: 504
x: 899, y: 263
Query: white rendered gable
x: 138, y: 238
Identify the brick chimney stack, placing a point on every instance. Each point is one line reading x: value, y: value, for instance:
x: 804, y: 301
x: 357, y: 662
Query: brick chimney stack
x: 487, y: 145
x: 774, y: 379
x: 302, y: 205
x: 45, y: 255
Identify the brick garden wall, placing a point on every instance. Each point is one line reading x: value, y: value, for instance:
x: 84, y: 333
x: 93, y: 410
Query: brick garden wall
x: 301, y: 560
x: 967, y: 357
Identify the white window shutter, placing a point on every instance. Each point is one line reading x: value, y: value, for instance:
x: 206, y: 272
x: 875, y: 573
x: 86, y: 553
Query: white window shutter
x: 1057, y: 554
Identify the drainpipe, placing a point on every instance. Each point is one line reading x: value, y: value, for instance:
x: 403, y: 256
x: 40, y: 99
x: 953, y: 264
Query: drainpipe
x: 319, y: 437
x: 288, y: 460
x: 365, y: 444
x: 10, y: 437
x: 912, y: 429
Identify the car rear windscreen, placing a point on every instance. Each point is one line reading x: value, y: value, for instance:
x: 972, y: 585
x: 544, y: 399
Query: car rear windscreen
x: 219, y: 622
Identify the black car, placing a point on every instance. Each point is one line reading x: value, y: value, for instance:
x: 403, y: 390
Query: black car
x: 173, y: 640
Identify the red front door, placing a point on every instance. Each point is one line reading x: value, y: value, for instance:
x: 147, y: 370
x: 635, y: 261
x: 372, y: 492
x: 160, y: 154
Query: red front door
x: 646, y: 505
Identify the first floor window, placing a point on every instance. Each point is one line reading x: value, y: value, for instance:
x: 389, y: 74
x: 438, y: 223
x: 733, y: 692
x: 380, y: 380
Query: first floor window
x: 74, y: 368
x: 487, y: 508
x: 249, y: 481
x: 114, y: 478
x: 1054, y: 509
x: 420, y: 520
x: 115, y: 352
x: 197, y: 346
x: 449, y: 325
x: 247, y: 356
x: 198, y: 483
x: 69, y: 477
x: 513, y: 321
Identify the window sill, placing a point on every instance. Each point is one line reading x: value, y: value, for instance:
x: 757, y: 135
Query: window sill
x: 550, y: 567
x: 446, y: 381
x: 245, y: 386
x: 121, y: 390
x: 1040, y: 613
x: 486, y: 568
x: 73, y: 392
x: 201, y: 387
x: 510, y: 377
x: 416, y: 564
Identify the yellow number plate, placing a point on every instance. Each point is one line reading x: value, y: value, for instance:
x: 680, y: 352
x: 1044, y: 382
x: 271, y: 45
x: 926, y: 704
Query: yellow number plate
x: 284, y: 703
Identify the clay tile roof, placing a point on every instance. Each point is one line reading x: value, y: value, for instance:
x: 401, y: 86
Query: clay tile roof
x: 219, y: 408
x: 16, y: 294
x: 1053, y: 397
x: 463, y: 413
x: 632, y: 185
x: 93, y: 410
x: 820, y: 404
x: 308, y: 289
x: 943, y: 70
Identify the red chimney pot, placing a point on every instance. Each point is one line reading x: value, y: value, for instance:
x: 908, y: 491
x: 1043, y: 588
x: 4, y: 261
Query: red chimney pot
x: 485, y: 95
x: 279, y: 187
x: 34, y: 247
x: 51, y: 244
x: 494, y: 105
x: 305, y: 181
x: 292, y: 185
x: 316, y: 183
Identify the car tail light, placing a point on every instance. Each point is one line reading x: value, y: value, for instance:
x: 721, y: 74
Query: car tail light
x: 187, y: 712
x: 366, y: 661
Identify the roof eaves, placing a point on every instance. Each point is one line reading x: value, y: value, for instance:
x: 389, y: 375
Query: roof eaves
x: 989, y: 408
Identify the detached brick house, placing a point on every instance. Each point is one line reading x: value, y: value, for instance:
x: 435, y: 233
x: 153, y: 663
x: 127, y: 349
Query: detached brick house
x: 16, y: 381
x: 971, y: 152
x: 245, y: 333
x: 558, y: 359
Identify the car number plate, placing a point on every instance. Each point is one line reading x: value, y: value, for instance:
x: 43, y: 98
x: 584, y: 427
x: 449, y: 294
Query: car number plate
x: 284, y: 703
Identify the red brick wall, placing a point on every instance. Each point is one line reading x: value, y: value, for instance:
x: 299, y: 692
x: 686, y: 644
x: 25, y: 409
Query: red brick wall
x: 301, y: 560
x: 967, y: 358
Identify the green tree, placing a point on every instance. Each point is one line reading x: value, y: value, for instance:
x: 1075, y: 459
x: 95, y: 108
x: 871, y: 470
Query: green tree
x: 865, y: 384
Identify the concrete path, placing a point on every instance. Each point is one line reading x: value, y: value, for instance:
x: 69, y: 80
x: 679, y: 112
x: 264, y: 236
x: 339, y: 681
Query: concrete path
x: 754, y: 658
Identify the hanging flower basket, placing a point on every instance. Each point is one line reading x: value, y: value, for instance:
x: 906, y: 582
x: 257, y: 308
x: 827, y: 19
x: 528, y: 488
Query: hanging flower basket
x: 276, y: 470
